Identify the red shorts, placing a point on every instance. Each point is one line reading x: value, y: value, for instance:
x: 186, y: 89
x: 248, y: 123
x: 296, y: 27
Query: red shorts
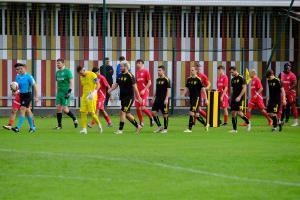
x: 256, y: 103
x: 16, y: 104
x: 224, y: 103
x: 291, y: 97
x: 100, y: 104
x: 144, y: 102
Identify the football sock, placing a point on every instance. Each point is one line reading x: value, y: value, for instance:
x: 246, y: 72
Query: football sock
x: 234, y: 123
x: 21, y: 121
x: 121, y: 126
x: 70, y: 114
x: 156, y: 119
x: 191, y: 122
x: 166, y: 122
x: 59, y: 119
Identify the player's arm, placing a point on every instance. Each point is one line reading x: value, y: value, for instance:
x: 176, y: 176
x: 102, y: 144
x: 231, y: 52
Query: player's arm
x: 208, y: 85
x: 137, y: 94
x: 67, y: 95
x: 35, y: 89
x: 242, y: 93
x: 283, y: 97
x: 204, y: 94
x: 113, y: 87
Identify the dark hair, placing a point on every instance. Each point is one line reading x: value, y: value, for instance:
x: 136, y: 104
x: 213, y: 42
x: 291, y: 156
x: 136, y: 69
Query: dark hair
x: 60, y: 60
x: 106, y: 58
x: 121, y: 58
x: 95, y: 69
x: 232, y: 68
x: 139, y: 61
x: 221, y: 67
x: 162, y: 67
x: 19, y: 65
x: 269, y: 73
x: 197, y: 64
x: 79, y: 68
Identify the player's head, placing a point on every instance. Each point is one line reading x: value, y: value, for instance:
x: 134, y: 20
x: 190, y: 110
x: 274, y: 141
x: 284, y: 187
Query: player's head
x: 20, y: 68
x: 233, y: 71
x: 107, y: 61
x: 60, y: 63
x: 270, y: 74
x: 253, y: 73
x: 221, y: 69
x: 139, y: 63
x: 124, y: 66
x: 198, y: 67
x: 121, y: 58
x: 95, y: 69
x: 161, y: 70
x: 193, y: 71
x: 81, y: 70
x: 287, y: 68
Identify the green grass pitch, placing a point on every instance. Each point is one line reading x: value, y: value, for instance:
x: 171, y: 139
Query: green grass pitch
x: 215, y: 165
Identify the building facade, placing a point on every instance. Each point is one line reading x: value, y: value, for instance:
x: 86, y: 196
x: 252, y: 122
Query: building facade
x: 176, y: 36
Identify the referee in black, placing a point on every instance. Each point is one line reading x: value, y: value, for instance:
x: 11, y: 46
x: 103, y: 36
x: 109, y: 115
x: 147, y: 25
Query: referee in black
x: 238, y: 90
x: 161, y: 99
x: 195, y: 87
x: 276, y: 95
x: 128, y: 88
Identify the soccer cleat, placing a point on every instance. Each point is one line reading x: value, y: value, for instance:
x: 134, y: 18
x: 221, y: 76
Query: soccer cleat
x: 270, y: 123
x: 224, y: 124
x: 295, y: 124
x: 58, y: 128
x: 31, y: 130
x: 15, y: 129
x: 90, y: 125
x: 233, y: 131
x: 119, y: 132
x: 151, y: 122
x: 138, y: 129
x: 274, y: 129
x: 110, y: 125
x: 7, y: 127
x: 83, y: 131
x: 75, y: 123
x: 164, y: 131
x: 159, y: 129
x: 206, y: 127
x: 243, y: 124
x: 100, y: 128
x: 187, y: 130
x: 249, y: 127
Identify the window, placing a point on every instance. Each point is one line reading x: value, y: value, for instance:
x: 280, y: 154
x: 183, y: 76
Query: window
x: 1, y: 22
x: 64, y: 22
x: 22, y: 22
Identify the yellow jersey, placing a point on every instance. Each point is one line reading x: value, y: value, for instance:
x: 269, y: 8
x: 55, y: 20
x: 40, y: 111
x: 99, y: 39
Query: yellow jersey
x: 88, y: 82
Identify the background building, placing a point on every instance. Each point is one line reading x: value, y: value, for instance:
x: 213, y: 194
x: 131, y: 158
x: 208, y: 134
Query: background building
x: 239, y: 33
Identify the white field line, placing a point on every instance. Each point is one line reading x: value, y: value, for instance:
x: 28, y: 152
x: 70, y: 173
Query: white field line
x: 161, y: 165
x: 80, y: 178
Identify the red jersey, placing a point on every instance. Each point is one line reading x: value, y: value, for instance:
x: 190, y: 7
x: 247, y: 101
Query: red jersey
x: 142, y: 78
x: 203, y: 78
x: 255, y: 86
x: 287, y: 81
x: 222, y: 82
x: 103, y: 86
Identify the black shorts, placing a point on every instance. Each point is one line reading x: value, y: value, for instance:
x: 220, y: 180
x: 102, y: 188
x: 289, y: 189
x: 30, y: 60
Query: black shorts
x: 25, y: 99
x: 159, y: 105
x: 273, y: 106
x: 126, y: 104
x: 235, y: 106
x: 194, y: 104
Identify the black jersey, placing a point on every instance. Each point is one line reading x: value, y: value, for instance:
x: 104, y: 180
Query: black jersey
x: 274, y: 90
x: 194, y: 84
x: 126, y: 82
x: 237, y: 83
x: 162, y: 85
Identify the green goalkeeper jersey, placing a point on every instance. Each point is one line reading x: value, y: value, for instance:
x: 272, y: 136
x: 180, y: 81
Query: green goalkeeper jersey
x: 63, y: 80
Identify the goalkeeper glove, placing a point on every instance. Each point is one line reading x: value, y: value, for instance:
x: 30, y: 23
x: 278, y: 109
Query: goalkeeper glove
x: 68, y: 94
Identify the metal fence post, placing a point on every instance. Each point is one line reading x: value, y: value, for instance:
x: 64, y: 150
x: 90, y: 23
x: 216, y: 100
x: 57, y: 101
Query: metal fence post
x: 173, y: 81
x: 33, y: 74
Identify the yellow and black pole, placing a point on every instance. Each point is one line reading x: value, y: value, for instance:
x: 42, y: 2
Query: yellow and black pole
x: 213, y: 109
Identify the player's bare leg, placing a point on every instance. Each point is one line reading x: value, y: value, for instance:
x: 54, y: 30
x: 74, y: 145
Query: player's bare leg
x: 132, y: 120
x: 12, y: 118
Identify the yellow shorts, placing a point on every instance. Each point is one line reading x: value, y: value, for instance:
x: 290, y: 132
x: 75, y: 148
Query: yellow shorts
x: 87, y: 105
